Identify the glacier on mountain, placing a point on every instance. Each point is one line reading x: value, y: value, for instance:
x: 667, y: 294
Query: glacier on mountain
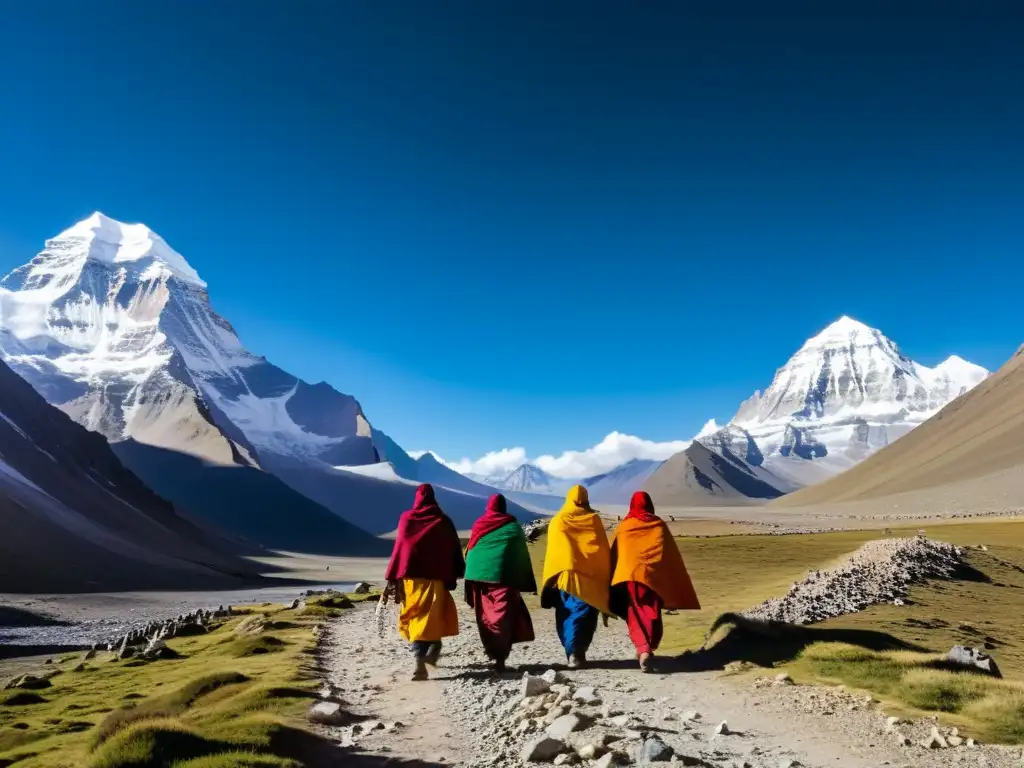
x: 847, y: 392
x: 115, y: 327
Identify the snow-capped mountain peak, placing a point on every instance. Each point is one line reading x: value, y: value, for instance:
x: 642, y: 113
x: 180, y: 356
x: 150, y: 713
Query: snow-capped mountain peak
x: 846, y: 392
x: 136, y: 246
x: 845, y: 330
x: 529, y: 478
x: 960, y: 372
x: 109, y: 320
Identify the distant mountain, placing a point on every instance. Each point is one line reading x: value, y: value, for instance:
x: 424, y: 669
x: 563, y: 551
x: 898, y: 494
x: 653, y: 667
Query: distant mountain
x: 73, y: 519
x: 619, y: 485
x: 529, y: 478
x: 699, y: 477
x: 430, y: 470
x: 846, y: 393
x: 114, y: 326
x: 976, y: 437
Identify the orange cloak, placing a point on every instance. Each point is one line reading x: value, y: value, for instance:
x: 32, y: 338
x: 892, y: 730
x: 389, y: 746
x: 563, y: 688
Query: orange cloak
x: 645, y: 551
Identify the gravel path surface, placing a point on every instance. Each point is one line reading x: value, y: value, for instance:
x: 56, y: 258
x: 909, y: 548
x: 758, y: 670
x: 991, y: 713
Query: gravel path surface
x: 466, y: 717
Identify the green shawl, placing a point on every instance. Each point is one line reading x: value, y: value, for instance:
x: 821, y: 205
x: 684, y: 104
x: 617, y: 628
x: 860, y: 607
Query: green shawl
x: 501, y: 557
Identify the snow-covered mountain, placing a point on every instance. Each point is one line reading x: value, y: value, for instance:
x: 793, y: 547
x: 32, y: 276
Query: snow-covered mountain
x: 116, y: 328
x: 529, y: 478
x: 847, y: 392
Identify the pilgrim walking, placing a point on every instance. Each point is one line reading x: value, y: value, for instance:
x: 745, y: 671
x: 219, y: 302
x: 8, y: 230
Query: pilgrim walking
x: 425, y: 565
x: 498, y: 571
x: 577, y: 571
x: 648, y: 576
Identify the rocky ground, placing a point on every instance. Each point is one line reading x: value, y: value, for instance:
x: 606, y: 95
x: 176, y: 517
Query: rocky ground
x: 607, y: 714
x: 82, y: 620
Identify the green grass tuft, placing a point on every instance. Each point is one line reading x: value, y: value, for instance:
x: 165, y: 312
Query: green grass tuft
x: 165, y: 706
x: 152, y: 744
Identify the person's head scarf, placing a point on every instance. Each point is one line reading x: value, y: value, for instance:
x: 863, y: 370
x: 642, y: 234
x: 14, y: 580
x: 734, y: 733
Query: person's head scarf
x: 642, y: 508
x: 425, y: 502
x: 577, y: 502
x: 426, y: 543
x: 493, y: 518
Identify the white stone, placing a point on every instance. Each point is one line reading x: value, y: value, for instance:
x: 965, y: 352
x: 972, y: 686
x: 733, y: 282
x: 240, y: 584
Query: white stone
x: 587, y: 695
x: 326, y: 713
x: 533, y: 686
x: 564, y: 725
x: 542, y: 749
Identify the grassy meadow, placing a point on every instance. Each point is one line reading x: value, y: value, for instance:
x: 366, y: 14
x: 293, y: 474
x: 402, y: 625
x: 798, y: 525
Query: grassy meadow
x: 232, y: 697
x: 868, y: 651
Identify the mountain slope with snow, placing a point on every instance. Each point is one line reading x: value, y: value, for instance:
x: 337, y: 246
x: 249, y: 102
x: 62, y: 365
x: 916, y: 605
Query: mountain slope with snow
x: 846, y: 393
x: 112, y: 325
x: 969, y: 451
x: 529, y: 478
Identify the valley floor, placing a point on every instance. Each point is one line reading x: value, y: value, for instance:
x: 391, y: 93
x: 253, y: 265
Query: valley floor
x: 78, y: 620
x: 465, y: 717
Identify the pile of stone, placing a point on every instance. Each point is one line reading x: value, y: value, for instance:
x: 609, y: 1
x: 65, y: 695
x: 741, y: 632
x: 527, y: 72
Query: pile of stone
x: 879, y: 572
x: 150, y: 642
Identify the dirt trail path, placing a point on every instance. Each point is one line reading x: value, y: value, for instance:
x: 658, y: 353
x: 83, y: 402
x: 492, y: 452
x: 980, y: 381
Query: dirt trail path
x: 466, y: 717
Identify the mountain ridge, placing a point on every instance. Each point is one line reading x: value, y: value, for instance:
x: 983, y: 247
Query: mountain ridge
x: 113, y: 326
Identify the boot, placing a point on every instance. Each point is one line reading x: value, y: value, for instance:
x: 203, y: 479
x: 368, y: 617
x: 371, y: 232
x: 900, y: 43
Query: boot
x: 433, y: 654
x: 420, y: 671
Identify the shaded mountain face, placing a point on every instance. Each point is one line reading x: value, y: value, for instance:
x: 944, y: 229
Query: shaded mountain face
x: 976, y: 436
x: 699, y: 477
x: 73, y: 518
x: 619, y: 485
x: 846, y: 393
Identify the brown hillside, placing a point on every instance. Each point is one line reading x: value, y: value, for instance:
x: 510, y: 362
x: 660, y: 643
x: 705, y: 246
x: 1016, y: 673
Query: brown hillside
x: 977, y: 434
x: 699, y: 477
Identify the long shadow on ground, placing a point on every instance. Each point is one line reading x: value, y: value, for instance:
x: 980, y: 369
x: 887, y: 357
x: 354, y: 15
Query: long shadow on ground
x: 763, y: 643
x: 315, y: 751
x: 766, y: 643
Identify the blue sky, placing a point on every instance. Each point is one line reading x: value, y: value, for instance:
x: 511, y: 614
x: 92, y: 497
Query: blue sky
x: 537, y: 225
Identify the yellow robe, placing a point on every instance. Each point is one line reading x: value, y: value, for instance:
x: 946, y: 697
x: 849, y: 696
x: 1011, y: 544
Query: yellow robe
x: 428, y: 612
x: 578, y: 560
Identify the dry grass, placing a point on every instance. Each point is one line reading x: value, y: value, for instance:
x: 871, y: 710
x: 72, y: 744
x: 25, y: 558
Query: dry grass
x: 987, y: 708
x: 732, y: 573
x: 228, y: 700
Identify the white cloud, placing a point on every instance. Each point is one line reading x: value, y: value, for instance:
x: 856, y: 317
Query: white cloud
x: 616, y: 449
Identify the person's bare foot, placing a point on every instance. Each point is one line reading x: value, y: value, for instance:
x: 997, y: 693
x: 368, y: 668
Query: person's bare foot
x: 645, y: 662
x: 420, y: 671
